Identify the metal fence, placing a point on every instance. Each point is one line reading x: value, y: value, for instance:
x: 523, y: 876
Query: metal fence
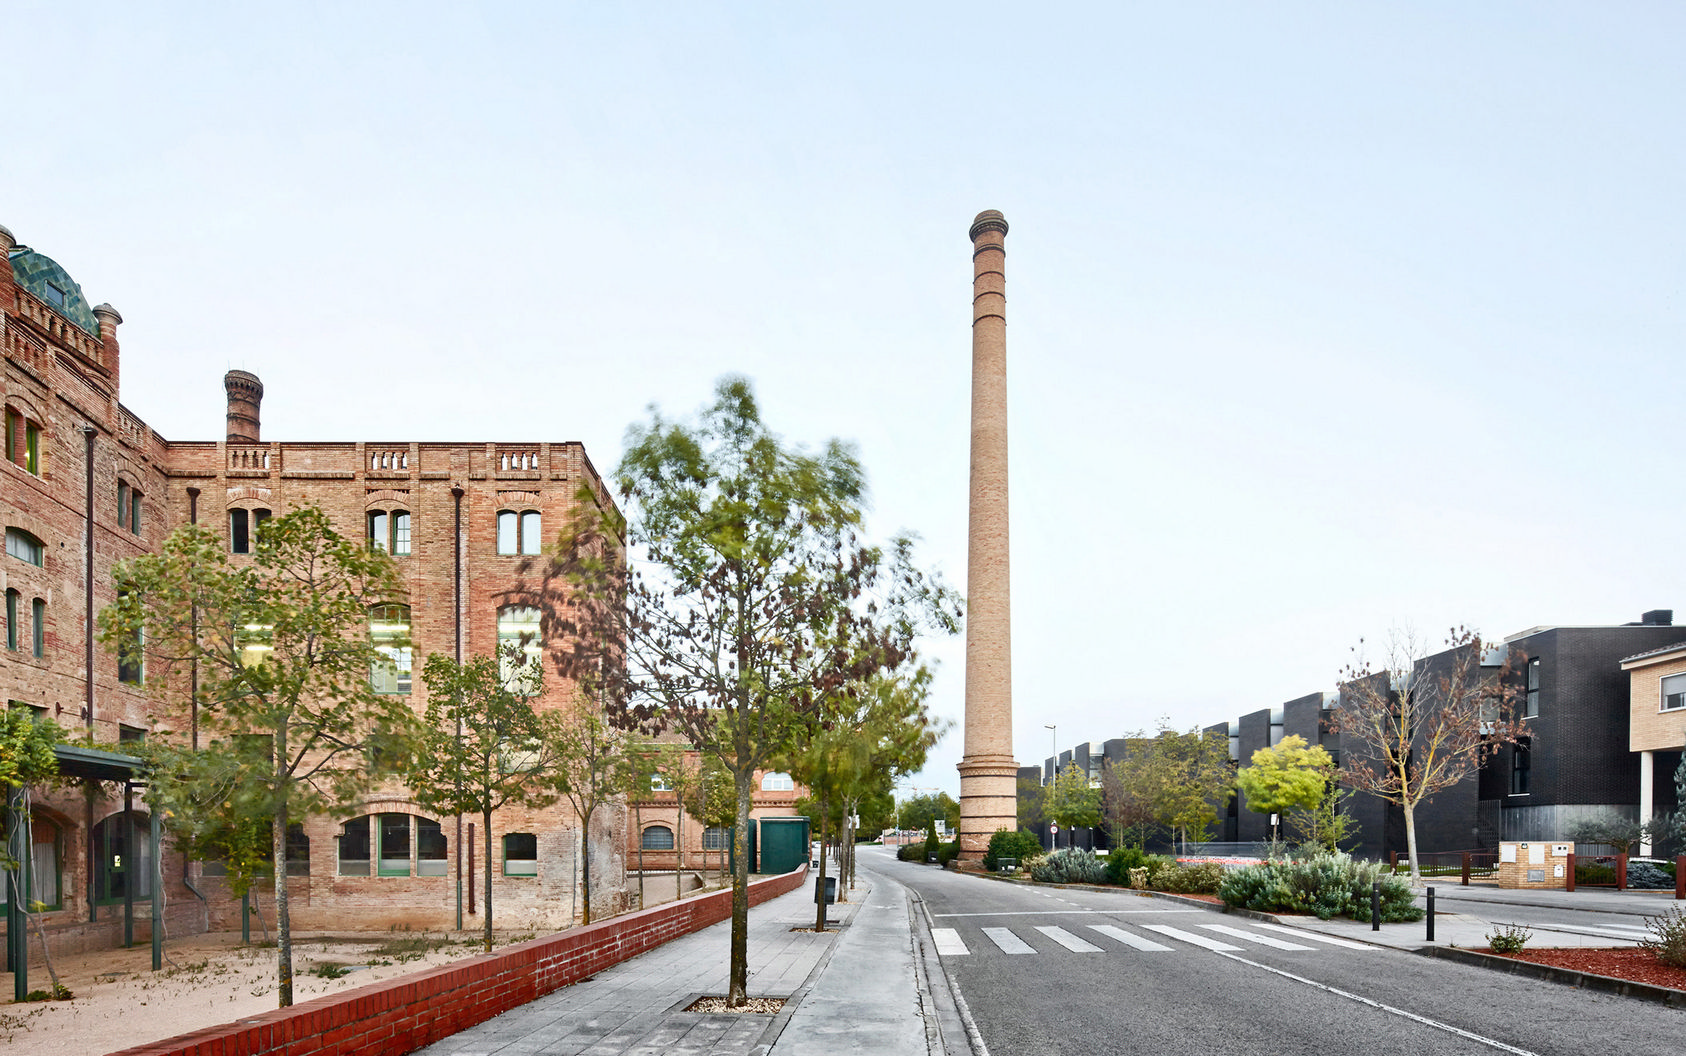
x: 1465, y: 865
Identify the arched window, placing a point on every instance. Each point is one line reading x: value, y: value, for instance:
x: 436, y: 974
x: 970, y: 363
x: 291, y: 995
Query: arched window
x: 25, y: 547
x: 519, y: 532
x: 389, y: 629
x: 390, y: 531
x: 520, y: 649
x: 657, y: 838
x: 403, y: 845
x: 520, y: 854
x: 776, y: 782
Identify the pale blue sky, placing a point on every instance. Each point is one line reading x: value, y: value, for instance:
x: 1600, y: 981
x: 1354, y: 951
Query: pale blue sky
x: 1322, y: 318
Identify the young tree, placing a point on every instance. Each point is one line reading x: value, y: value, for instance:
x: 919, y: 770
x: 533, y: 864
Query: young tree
x: 918, y: 812
x: 1070, y: 801
x: 595, y: 764
x: 482, y: 746
x: 1412, y: 727
x: 282, y: 646
x: 26, y: 759
x: 755, y: 601
x: 1285, y: 776
x: 1031, y: 798
x: 714, y: 802
x: 1178, y: 780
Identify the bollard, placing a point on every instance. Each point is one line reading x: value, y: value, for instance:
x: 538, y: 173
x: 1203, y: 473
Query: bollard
x: 1680, y: 876
x: 1376, y: 906
x: 1431, y: 914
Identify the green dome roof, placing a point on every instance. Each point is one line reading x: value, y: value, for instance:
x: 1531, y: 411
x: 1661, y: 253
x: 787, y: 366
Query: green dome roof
x: 41, y: 276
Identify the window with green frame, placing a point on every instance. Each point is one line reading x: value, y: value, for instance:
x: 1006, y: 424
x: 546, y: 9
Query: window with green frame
x: 403, y: 845
x: 44, y: 870
x: 123, y: 849
x: 520, y: 854
x: 389, y: 630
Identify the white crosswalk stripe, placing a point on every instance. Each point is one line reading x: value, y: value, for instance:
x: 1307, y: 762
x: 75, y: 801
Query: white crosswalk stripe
x: 1190, y: 937
x: 1262, y: 940
x: 1008, y: 942
x: 948, y: 942
x: 1068, y: 940
x: 1313, y: 936
x: 1130, y: 938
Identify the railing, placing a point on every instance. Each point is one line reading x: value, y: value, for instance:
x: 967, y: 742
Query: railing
x: 1465, y: 865
x: 248, y: 458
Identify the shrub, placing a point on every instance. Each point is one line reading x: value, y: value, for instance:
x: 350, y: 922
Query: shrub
x: 1201, y: 878
x: 1594, y: 873
x: 1668, y: 937
x: 1329, y: 885
x: 1509, y: 938
x: 1070, y: 866
x: 948, y: 852
x: 911, y: 852
x: 930, y: 843
x: 1008, y: 844
x: 1121, y: 861
x: 1647, y: 876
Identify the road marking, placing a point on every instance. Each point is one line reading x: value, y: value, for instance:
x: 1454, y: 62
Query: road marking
x: 1008, y: 942
x: 1191, y: 938
x: 1262, y: 940
x: 1068, y: 940
x: 948, y: 942
x: 1424, y: 1020
x: 1315, y: 936
x: 1615, y: 931
x: 1071, y: 912
x: 1130, y: 939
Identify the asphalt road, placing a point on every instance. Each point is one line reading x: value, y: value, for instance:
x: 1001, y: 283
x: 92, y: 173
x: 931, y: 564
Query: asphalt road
x: 1044, y: 971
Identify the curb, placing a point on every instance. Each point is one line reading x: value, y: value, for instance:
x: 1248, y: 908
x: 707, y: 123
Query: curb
x: 1661, y: 995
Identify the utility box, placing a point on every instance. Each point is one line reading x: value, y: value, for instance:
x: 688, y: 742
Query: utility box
x: 1533, y: 864
x: 732, y: 842
x: 784, y: 844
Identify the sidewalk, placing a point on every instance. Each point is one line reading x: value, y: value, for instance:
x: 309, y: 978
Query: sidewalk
x: 856, y: 989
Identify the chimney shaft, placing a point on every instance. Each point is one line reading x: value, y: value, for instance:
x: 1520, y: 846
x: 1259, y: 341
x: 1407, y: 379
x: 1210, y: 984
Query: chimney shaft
x: 245, y: 395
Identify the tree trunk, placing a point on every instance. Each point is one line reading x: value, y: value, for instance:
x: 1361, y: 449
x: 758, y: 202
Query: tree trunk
x: 486, y: 829
x: 737, y: 991
x: 585, y: 866
x: 638, y: 827
x: 679, y: 849
x: 1411, y: 839
x: 819, y: 911
x: 283, y: 918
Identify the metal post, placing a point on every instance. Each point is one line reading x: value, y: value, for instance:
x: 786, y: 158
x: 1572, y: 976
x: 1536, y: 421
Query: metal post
x: 17, y: 875
x: 1466, y: 869
x: 156, y: 838
x: 246, y: 919
x: 1431, y: 912
x: 1376, y: 906
x: 1680, y: 877
x: 1569, y: 873
x: 128, y: 865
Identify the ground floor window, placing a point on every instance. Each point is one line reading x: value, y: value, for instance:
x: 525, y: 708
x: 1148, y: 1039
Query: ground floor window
x: 44, y: 875
x: 657, y: 838
x: 404, y: 845
x: 123, y: 858
x: 716, y: 838
x: 520, y: 854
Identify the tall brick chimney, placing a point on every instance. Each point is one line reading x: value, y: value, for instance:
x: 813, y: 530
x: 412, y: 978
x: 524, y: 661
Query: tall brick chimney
x: 110, y: 354
x: 988, y: 772
x: 245, y: 394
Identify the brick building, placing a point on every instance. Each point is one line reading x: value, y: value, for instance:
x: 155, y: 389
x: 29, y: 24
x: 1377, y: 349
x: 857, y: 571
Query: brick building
x: 86, y: 483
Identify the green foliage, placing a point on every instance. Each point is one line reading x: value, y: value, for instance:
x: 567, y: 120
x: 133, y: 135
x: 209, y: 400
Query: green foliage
x: 1329, y: 885
x: 1619, y: 833
x: 1509, y: 938
x: 948, y: 852
x: 930, y: 841
x: 26, y: 748
x: 1668, y: 937
x: 1070, y: 802
x: 1031, y: 794
x: 918, y: 812
x: 911, y: 852
x: 1176, y: 780
x: 1201, y: 878
x: 1006, y: 843
x: 710, y: 797
x: 1120, y: 861
x: 1285, y: 776
x: 1647, y: 876
x: 1072, y: 865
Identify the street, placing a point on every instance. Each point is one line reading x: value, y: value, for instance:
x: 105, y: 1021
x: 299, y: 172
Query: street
x: 1049, y: 970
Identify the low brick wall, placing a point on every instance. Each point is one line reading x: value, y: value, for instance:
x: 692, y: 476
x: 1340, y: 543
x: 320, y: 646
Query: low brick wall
x: 404, y: 1014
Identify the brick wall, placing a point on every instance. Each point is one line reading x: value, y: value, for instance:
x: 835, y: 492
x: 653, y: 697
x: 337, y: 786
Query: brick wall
x: 405, y: 1014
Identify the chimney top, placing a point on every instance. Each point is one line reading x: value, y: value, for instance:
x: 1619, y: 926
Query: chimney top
x: 103, y: 310
x: 988, y: 220
x: 245, y: 395
x: 7, y: 239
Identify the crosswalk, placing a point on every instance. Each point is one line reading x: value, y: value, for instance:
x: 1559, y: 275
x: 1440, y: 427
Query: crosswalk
x: 1223, y: 938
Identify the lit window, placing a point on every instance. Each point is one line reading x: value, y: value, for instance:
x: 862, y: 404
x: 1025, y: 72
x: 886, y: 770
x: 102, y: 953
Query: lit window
x: 25, y: 547
x: 389, y: 628
x: 520, y: 533
x: 657, y: 838
x: 658, y: 783
x: 520, y: 854
x: 1674, y: 692
x: 23, y: 441
x: 390, y: 531
x: 38, y: 624
x: 520, y: 649
x: 256, y: 642
x: 777, y: 783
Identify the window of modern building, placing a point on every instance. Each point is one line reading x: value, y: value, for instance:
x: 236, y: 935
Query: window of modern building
x: 25, y: 547
x: 390, y: 531
x: 520, y: 649
x: 520, y: 854
x: 1674, y: 692
x: 519, y: 532
x: 243, y: 529
x: 776, y: 782
x: 389, y: 629
x: 717, y: 838
x: 23, y: 441
x: 1532, y: 707
x: 38, y: 626
x: 1520, y: 765
x: 656, y: 838
x: 13, y: 599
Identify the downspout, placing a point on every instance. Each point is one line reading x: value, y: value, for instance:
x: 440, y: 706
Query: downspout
x: 456, y: 637
x: 88, y: 661
x: 193, y: 709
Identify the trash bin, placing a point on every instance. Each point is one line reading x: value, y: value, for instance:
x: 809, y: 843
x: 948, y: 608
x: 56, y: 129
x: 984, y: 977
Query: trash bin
x: 830, y: 890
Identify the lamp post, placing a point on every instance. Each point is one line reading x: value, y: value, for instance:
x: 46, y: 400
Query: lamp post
x: 1054, y: 765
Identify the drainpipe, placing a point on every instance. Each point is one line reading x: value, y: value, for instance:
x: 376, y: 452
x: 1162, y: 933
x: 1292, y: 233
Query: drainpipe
x: 193, y: 667
x: 88, y: 583
x: 456, y: 637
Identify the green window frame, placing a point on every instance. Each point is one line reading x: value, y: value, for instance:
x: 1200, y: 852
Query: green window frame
x: 25, y: 547
x: 38, y: 626
x: 389, y: 630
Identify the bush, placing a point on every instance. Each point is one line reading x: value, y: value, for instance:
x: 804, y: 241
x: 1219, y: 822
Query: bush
x: 1329, y: 885
x: 1646, y: 876
x: 1008, y: 844
x: 1202, y: 878
x: 930, y: 843
x: 1070, y: 866
x: 1509, y: 938
x: 948, y: 852
x: 1121, y: 861
x: 1668, y: 937
x: 911, y: 852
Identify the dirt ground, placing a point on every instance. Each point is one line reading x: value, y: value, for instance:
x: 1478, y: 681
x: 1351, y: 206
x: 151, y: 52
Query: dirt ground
x: 120, y: 1002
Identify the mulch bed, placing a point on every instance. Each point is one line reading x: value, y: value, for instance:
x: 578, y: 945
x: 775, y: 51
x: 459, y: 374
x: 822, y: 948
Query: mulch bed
x: 756, y: 1006
x: 1631, y: 963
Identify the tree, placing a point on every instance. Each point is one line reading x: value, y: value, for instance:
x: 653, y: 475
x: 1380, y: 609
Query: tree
x: 482, y: 745
x: 1177, y: 780
x: 713, y: 801
x: 1031, y: 796
x: 918, y: 812
x: 1071, y: 802
x: 1286, y: 776
x: 754, y: 599
x: 26, y: 758
x: 282, y: 649
x: 595, y: 764
x: 1413, y: 727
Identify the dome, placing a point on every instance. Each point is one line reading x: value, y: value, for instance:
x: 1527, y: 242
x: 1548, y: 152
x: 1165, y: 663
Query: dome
x: 41, y: 276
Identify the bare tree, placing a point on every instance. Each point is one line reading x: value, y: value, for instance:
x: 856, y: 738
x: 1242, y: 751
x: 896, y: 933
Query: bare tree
x: 1413, y: 726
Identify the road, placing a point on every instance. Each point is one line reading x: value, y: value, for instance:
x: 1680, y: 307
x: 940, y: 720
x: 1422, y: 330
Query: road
x: 1047, y: 971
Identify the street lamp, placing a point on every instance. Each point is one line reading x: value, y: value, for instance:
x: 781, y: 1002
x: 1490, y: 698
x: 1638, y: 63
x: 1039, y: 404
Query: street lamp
x: 1054, y: 737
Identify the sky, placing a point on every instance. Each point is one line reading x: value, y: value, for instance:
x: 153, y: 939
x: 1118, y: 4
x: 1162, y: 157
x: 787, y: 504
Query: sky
x: 1323, y: 319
